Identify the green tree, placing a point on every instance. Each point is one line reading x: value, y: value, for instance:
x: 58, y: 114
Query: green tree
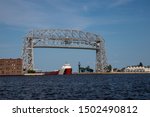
x: 109, y: 68
x: 31, y: 71
x: 140, y: 64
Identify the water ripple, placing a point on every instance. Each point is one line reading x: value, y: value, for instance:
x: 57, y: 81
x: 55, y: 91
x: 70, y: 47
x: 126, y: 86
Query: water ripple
x: 80, y: 87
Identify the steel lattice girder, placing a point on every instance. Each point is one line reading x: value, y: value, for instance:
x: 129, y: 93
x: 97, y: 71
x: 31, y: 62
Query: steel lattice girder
x: 58, y: 38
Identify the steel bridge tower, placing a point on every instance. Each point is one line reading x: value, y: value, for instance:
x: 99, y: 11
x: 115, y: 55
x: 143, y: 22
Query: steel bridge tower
x: 58, y: 38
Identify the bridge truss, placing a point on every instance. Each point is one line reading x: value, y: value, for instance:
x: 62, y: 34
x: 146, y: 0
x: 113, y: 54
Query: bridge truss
x: 58, y: 38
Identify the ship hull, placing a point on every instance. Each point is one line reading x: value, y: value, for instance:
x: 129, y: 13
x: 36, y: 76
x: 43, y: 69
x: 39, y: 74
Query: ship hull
x: 52, y: 73
x: 68, y: 71
x: 65, y: 70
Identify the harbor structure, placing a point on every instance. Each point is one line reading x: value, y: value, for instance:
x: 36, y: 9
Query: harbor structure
x: 11, y: 66
x: 63, y: 38
x: 84, y: 69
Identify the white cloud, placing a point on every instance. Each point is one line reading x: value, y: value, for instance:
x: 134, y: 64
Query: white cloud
x: 56, y: 13
x: 117, y: 3
x: 28, y: 14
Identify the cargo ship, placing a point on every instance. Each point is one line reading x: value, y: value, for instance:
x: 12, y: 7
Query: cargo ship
x: 66, y: 69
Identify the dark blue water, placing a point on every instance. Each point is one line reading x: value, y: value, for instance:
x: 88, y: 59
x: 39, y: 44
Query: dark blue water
x: 97, y: 87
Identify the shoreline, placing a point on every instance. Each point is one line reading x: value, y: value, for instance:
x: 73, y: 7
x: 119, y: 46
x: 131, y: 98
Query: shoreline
x: 94, y: 73
x: 107, y: 73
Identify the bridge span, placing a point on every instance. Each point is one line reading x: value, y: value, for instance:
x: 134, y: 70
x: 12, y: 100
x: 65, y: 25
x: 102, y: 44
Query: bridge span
x: 59, y: 38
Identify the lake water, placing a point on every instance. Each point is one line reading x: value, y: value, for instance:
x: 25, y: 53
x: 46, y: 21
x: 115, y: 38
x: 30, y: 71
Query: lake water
x: 78, y: 87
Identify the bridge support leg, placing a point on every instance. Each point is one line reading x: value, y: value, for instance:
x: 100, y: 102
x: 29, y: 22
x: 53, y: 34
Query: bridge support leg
x: 28, y: 55
x: 100, y: 57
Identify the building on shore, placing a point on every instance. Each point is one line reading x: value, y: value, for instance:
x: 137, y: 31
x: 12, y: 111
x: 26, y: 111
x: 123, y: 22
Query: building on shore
x: 137, y: 69
x: 11, y: 66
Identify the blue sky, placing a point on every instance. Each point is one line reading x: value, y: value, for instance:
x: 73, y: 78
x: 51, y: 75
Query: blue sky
x: 124, y: 24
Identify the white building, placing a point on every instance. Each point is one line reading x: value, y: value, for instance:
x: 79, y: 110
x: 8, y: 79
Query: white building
x: 147, y: 69
x: 137, y: 69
